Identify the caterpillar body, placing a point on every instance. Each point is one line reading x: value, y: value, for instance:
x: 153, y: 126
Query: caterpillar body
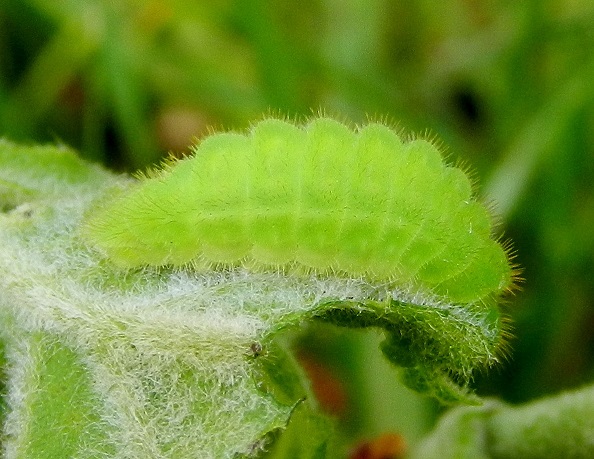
x: 320, y: 197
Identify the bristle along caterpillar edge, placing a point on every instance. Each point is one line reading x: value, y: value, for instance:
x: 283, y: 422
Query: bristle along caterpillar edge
x: 321, y: 197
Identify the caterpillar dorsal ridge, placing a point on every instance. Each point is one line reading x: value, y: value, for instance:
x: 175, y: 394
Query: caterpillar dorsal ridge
x: 319, y: 197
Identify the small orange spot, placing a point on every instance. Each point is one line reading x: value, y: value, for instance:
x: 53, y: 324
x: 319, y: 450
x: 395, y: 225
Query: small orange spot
x: 386, y: 446
x: 327, y: 388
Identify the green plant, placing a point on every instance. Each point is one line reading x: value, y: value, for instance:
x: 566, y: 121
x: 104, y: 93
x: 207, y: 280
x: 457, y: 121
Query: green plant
x: 560, y: 426
x: 506, y: 85
x: 165, y: 361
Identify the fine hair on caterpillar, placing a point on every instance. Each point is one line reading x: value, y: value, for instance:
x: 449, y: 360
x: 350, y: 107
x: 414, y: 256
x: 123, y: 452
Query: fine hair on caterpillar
x: 318, y: 197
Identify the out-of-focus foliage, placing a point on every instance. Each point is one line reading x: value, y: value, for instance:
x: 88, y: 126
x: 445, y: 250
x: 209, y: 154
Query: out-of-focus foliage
x: 507, y: 86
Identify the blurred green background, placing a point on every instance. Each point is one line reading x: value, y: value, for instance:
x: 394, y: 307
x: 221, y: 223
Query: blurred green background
x: 507, y: 86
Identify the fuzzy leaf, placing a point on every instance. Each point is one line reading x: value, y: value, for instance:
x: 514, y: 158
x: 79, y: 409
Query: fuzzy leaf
x: 158, y: 362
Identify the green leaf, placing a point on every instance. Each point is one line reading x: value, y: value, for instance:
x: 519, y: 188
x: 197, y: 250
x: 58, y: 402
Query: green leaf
x: 309, y: 435
x: 557, y: 426
x: 174, y: 362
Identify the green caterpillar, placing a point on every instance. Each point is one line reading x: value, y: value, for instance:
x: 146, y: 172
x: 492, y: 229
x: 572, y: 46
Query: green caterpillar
x: 320, y: 198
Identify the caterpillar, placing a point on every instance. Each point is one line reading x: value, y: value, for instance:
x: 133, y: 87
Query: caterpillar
x: 320, y: 197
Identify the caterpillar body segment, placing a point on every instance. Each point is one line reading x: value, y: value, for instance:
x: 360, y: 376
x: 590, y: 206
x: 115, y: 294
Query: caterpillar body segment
x: 320, y: 198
